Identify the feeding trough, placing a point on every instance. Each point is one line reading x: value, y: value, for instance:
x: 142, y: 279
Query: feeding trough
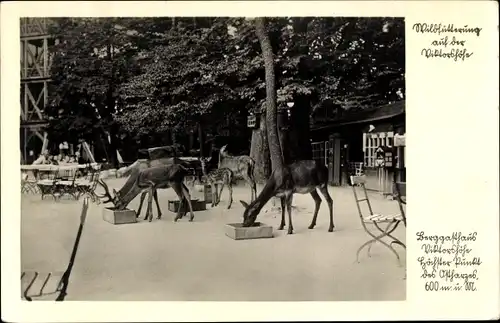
x: 114, y: 216
x: 258, y: 230
x: 173, y: 206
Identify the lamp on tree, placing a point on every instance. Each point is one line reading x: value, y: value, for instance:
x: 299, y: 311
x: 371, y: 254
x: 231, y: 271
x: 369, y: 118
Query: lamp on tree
x: 289, y: 105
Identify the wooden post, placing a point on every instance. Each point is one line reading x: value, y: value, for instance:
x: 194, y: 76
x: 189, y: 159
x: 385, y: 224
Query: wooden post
x: 45, y: 57
x: 200, y: 138
x: 331, y: 145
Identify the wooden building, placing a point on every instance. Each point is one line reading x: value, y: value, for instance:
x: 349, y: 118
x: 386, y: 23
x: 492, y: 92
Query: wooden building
x: 35, y: 78
x: 347, y: 143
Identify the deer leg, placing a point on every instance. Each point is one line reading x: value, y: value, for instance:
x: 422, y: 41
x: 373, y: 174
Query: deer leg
x: 230, y: 188
x: 282, y: 224
x: 317, y: 201
x: 289, y: 210
x: 220, y: 193
x: 178, y: 190
x: 149, y: 213
x: 329, y: 201
x: 143, y: 195
x: 187, y: 196
x: 214, y: 194
x: 250, y: 182
x: 254, y: 187
x: 157, y: 204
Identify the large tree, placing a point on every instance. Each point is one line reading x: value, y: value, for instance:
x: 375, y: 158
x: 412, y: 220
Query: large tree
x: 91, y: 60
x: 271, y: 110
x: 177, y: 75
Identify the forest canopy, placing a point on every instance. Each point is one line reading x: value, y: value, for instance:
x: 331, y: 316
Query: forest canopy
x: 140, y: 80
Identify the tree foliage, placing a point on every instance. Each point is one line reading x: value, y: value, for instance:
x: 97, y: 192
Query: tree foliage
x: 136, y: 77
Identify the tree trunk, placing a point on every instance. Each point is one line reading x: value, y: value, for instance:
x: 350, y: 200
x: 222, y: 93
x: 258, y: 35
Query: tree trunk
x: 201, y: 139
x: 259, y: 150
x: 300, y: 130
x: 271, y: 113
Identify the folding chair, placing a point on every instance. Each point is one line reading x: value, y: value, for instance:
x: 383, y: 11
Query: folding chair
x: 401, y: 198
x: 65, y: 183
x: 28, y: 183
x: 88, y: 184
x: 377, y: 220
x: 47, y: 186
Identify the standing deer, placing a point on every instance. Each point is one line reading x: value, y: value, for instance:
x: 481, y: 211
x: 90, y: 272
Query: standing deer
x: 302, y: 177
x: 241, y: 166
x: 223, y: 176
x: 149, y: 180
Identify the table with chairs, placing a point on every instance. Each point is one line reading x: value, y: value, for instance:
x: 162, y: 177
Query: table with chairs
x: 59, y: 180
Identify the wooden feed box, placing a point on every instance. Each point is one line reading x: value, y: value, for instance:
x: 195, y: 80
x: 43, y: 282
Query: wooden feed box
x: 203, y: 192
x: 197, y: 205
x: 258, y: 230
x: 119, y: 216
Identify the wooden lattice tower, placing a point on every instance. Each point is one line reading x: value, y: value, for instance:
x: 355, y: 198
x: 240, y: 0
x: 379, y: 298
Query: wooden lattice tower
x: 35, y: 78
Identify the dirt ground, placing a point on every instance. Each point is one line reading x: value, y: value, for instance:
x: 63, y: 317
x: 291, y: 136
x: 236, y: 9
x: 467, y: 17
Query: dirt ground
x: 195, y: 261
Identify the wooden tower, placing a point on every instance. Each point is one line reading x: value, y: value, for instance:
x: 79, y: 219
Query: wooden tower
x: 35, y: 78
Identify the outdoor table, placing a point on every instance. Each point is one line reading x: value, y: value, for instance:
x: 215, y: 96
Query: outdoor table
x: 46, y: 175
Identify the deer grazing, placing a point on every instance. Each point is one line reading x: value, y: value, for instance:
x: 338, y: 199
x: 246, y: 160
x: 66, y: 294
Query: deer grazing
x: 148, y: 180
x: 241, y: 166
x: 141, y: 164
x: 223, y: 176
x: 302, y: 177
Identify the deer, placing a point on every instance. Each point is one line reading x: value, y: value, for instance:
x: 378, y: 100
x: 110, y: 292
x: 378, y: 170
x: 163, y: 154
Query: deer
x: 146, y: 163
x: 300, y: 177
x: 148, y: 180
x: 241, y: 166
x: 223, y: 176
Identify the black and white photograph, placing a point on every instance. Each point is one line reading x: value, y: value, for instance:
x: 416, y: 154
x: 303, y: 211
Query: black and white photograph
x: 187, y: 161
x: 213, y: 158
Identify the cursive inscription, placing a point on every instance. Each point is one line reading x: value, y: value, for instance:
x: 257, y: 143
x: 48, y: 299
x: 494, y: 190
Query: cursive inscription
x: 447, y: 47
x: 447, y: 263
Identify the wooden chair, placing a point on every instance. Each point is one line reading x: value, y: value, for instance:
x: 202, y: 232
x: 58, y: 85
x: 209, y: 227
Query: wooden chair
x: 65, y: 183
x: 377, y: 233
x: 88, y: 184
x: 28, y: 183
x: 400, y: 195
x: 47, y: 186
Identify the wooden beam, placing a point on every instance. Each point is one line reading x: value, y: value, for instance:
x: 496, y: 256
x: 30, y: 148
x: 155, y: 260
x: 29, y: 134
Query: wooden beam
x: 25, y: 143
x: 45, y: 142
x: 45, y: 57
x: 35, y: 105
x: 26, y: 102
x: 39, y: 135
x: 36, y: 79
x: 34, y: 61
x: 45, y: 94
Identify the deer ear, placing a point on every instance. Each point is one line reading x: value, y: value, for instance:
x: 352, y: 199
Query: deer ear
x: 245, y: 204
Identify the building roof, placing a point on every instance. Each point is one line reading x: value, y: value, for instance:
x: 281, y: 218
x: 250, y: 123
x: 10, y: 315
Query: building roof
x: 372, y: 114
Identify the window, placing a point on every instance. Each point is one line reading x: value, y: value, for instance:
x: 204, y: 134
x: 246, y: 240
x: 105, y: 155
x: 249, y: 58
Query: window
x: 371, y: 141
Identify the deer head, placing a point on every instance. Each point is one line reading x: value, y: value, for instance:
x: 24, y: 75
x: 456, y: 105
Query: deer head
x: 250, y: 213
x: 115, y: 199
